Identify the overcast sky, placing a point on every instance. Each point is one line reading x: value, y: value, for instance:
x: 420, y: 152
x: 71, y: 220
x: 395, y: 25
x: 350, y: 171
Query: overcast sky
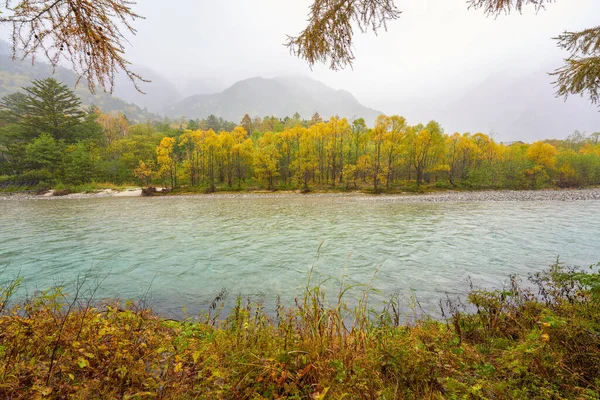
x: 435, y: 56
x: 435, y: 45
x: 438, y: 49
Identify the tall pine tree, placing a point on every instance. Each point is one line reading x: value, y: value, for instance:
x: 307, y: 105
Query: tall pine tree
x: 47, y: 106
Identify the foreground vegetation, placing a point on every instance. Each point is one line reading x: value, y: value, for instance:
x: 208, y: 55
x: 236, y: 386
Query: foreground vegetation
x: 47, y: 139
x: 540, y: 340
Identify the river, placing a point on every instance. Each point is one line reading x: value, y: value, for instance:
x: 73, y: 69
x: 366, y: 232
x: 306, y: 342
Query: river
x: 184, y: 250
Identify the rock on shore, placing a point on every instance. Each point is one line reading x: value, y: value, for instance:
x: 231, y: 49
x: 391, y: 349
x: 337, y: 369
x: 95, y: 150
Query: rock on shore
x: 437, y: 197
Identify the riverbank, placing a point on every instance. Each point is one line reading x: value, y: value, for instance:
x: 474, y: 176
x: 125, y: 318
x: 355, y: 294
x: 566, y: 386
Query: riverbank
x: 435, y: 197
x: 513, y: 344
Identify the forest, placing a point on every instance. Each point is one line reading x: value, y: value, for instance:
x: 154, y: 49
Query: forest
x: 47, y: 139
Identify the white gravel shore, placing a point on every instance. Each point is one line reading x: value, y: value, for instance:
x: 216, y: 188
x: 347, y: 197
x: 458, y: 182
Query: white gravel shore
x: 448, y: 196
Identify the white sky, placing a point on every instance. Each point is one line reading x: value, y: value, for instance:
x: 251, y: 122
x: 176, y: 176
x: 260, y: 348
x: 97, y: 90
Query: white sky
x: 437, y: 46
x: 430, y: 63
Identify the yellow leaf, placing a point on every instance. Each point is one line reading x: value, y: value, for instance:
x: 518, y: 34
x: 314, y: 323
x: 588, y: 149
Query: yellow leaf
x: 196, y: 356
x: 321, y: 396
x: 178, y: 367
x: 82, y: 362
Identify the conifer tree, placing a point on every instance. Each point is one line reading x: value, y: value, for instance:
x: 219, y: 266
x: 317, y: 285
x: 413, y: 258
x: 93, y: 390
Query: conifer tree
x: 47, y: 106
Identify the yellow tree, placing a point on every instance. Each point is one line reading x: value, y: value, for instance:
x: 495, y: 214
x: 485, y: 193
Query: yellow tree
x: 307, y: 160
x: 114, y: 125
x: 382, y: 127
x: 319, y: 135
x: 164, y: 156
x: 460, y: 154
x: 144, y: 172
x: 189, y: 142
x: 226, y: 157
x: 242, y: 152
x: 210, y: 148
x: 543, y: 157
x: 336, y: 133
x: 289, y: 140
x: 392, y: 145
x: 266, y: 159
x: 543, y: 154
x: 425, y: 146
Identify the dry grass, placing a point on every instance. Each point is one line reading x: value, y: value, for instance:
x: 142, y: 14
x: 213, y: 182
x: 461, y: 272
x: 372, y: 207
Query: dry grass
x: 516, y: 344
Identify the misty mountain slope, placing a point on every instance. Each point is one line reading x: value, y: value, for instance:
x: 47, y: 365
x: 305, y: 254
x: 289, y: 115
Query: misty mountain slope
x: 158, y: 94
x: 279, y: 97
x: 520, y: 108
x: 16, y: 74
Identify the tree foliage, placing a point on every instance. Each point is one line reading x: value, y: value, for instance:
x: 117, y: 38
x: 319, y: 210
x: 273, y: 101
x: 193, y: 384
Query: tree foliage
x: 86, y: 34
x: 328, y: 36
x: 47, y: 106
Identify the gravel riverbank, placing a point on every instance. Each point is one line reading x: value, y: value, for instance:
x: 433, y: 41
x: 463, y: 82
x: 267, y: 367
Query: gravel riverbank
x: 449, y: 196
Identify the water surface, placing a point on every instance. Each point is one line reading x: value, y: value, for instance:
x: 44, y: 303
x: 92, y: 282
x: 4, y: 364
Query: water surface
x: 186, y: 249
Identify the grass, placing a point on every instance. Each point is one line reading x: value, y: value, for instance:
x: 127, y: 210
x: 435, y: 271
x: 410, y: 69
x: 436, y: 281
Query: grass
x: 538, y: 341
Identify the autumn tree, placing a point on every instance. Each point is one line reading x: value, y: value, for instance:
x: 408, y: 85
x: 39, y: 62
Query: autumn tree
x: 143, y: 172
x: 225, y: 155
x: 114, y: 124
x: 246, y: 123
x: 460, y: 154
x: 242, y: 153
x: 166, y: 160
x: 378, y: 135
x: 392, y: 146
x: 210, y: 148
x: 266, y: 159
x: 88, y: 35
x: 306, y: 162
x: 423, y: 147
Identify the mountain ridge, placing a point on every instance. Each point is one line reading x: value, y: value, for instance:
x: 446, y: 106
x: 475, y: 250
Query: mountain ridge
x: 280, y: 97
x: 15, y: 74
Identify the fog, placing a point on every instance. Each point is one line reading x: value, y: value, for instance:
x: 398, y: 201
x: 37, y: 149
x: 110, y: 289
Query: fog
x: 438, y: 61
x: 434, y: 55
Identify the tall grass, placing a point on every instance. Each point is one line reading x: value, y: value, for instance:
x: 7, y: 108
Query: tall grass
x: 540, y: 340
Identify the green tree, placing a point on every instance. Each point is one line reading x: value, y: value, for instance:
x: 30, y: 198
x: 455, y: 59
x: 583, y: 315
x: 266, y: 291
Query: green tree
x: 47, y: 106
x: 44, y: 153
x: 77, y: 166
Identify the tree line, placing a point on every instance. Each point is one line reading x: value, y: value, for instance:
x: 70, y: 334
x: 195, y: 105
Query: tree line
x: 46, y: 138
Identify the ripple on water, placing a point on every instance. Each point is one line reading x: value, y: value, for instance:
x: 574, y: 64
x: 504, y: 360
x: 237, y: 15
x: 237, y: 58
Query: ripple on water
x: 190, y: 248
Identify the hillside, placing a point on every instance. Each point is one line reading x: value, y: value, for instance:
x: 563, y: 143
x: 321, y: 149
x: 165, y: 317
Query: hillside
x: 157, y: 94
x: 16, y: 74
x: 279, y: 97
x: 512, y: 105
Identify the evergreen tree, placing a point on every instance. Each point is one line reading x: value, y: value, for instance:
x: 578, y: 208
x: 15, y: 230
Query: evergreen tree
x: 47, y: 106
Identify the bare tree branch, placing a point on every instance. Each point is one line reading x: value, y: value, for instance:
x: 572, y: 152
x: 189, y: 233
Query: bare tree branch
x: 578, y: 76
x: 88, y: 34
x: 497, y: 7
x: 328, y: 36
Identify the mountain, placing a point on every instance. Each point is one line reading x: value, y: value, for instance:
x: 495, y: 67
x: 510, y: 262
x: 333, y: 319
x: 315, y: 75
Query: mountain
x: 157, y: 94
x: 16, y: 74
x: 279, y: 97
x: 190, y: 86
x: 514, y: 106
x: 517, y: 107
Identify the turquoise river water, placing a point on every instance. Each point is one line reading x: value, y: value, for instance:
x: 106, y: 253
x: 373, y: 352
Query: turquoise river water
x: 186, y: 249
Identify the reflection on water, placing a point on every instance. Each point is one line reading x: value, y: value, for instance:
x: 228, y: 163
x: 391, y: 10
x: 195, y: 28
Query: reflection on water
x: 189, y: 248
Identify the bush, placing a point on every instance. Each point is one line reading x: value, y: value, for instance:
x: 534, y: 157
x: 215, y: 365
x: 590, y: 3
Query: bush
x: 520, y: 342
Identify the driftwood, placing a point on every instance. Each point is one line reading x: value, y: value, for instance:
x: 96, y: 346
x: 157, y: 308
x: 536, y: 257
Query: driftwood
x: 148, y: 191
